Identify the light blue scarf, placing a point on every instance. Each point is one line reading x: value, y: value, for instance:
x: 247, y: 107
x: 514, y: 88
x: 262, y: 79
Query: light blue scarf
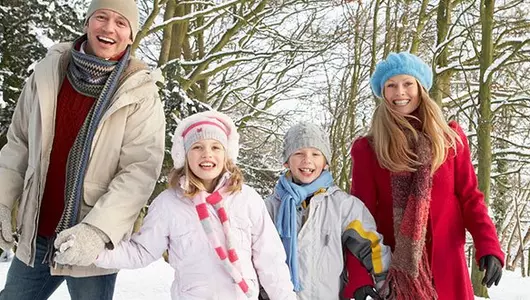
x: 292, y: 195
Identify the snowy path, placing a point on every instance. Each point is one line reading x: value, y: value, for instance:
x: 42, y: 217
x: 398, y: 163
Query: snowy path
x: 154, y: 282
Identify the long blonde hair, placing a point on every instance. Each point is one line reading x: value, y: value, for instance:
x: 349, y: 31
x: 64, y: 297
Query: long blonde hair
x: 390, y: 142
x: 194, y: 183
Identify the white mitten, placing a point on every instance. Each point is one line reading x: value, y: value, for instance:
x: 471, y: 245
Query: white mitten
x: 79, y: 245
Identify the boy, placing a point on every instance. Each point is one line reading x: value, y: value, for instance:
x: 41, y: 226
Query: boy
x: 316, y: 220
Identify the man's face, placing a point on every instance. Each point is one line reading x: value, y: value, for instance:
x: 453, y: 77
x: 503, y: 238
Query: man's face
x: 108, y: 34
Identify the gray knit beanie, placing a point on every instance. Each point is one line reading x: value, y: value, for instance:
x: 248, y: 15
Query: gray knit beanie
x: 127, y: 8
x: 306, y: 135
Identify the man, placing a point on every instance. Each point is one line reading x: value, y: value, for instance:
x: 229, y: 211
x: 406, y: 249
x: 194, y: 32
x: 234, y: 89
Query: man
x: 84, y: 151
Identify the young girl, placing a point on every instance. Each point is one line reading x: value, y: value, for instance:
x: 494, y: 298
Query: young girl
x: 414, y: 173
x: 217, y: 230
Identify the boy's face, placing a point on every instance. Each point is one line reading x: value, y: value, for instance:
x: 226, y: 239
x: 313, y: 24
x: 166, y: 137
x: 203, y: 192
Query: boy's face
x: 306, y: 165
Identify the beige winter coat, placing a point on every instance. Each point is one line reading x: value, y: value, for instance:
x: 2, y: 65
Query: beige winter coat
x: 124, y: 164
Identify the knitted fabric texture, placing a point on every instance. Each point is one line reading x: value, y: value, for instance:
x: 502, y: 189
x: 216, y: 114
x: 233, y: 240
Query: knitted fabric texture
x: 204, y: 125
x: 410, y: 276
x: 291, y: 196
x: 6, y: 230
x: 127, y: 8
x: 402, y: 63
x: 83, y: 242
x: 306, y: 135
x: 227, y: 254
x: 71, y: 110
x: 79, y: 154
x: 87, y: 73
x: 204, y: 130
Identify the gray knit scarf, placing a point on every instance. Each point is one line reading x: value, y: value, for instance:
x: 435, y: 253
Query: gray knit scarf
x: 96, y: 78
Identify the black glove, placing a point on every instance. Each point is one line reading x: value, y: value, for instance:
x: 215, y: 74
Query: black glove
x: 365, y: 291
x: 493, y: 270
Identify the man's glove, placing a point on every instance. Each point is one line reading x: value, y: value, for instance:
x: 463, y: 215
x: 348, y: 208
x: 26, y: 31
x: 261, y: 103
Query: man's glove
x: 6, y: 235
x: 365, y: 291
x: 79, y: 245
x: 493, y: 270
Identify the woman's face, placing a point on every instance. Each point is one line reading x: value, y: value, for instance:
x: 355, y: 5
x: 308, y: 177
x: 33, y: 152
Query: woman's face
x: 402, y: 94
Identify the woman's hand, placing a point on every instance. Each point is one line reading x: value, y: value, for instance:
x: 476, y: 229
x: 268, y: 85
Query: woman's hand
x: 493, y: 268
x: 365, y: 291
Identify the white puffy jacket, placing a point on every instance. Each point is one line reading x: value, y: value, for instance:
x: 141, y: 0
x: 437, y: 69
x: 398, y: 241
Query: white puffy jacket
x: 336, y: 220
x: 172, y: 223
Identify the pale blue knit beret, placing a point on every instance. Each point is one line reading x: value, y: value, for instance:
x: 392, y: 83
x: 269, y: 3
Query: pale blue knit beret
x: 399, y: 64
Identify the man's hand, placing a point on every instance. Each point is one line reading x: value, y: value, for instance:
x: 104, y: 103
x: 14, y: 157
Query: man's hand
x: 79, y: 245
x: 6, y: 230
x: 493, y: 270
x: 365, y: 291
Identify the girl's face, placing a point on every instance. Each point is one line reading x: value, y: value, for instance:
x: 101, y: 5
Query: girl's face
x: 402, y: 94
x: 306, y: 165
x: 206, y: 159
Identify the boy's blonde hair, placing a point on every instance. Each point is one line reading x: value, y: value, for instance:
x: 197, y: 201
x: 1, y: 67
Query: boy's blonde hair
x: 194, y: 183
x: 390, y: 142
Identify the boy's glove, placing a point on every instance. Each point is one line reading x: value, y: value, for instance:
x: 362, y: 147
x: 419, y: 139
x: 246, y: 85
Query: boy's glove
x: 365, y: 291
x: 6, y: 235
x: 493, y: 270
x: 79, y: 245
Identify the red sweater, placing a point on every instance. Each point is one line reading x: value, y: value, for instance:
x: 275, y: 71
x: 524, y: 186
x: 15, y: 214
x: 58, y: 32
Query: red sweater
x: 456, y: 205
x: 72, y: 110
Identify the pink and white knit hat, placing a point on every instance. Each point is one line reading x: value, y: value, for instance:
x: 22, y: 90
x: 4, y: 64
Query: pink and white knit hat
x: 200, y: 126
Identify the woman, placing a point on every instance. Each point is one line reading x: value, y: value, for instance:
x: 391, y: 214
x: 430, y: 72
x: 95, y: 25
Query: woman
x: 414, y: 173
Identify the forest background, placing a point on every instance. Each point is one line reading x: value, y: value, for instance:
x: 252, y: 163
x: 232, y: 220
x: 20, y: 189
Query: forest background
x: 270, y: 63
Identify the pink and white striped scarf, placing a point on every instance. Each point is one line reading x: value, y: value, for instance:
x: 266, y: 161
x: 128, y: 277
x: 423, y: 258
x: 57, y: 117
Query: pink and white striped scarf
x: 228, y: 256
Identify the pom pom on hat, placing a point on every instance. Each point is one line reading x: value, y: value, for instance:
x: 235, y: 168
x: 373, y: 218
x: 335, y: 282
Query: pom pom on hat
x: 306, y: 135
x: 201, y: 126
x: 399, y: 64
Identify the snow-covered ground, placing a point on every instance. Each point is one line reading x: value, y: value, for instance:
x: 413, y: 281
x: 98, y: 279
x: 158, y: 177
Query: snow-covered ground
x: 154, y: 281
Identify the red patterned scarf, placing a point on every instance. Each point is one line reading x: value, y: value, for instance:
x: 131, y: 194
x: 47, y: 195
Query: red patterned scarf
x: 410, y: 275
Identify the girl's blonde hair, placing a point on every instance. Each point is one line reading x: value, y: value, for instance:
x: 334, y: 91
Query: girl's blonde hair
x: 194, y: 184
x: 390, y: 142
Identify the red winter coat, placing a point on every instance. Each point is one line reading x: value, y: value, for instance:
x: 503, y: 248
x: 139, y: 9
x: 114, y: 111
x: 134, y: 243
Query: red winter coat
x: 456, y: 205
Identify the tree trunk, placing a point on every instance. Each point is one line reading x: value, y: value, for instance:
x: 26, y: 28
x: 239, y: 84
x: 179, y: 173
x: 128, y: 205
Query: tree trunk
x: 167, y: 34
x: 374, y: 43
x: 520, y: 235
x: 484, y: 122
x: 422, y: 18
x: 499, y: 203
x: 442, y: 80
x: 528, y: 268
x: 389, y: 29
x: 519, y: 255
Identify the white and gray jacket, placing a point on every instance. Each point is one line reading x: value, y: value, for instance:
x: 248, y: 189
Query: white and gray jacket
x: 335, y: 219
